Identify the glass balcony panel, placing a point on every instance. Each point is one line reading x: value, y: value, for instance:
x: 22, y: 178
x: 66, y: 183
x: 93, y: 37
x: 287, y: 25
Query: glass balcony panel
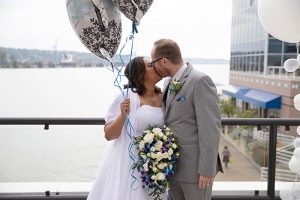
x: 69, y: 157
x: 285, y: 179
x: 249, y: 156
x: 60, y: 154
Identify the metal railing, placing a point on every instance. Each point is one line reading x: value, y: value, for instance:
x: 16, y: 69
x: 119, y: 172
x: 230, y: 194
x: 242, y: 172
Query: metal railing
x: 272, y: 123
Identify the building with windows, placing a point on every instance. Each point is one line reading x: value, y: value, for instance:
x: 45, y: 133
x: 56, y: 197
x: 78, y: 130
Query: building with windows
x: 257, y: 77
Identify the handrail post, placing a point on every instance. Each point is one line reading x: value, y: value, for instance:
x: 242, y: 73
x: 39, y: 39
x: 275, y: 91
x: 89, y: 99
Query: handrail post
x: 272, y: 161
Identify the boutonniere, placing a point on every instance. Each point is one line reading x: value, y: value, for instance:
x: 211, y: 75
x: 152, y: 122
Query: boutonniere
x: 175, y: 86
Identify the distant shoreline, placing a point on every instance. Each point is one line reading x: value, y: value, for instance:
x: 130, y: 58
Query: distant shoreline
x: 34, y: 58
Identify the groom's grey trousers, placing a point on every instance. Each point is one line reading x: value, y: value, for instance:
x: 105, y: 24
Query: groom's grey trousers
x: 188, y: 191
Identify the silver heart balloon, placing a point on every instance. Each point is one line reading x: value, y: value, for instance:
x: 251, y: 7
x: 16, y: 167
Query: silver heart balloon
x: 100, y: 30
x: 132, y: 9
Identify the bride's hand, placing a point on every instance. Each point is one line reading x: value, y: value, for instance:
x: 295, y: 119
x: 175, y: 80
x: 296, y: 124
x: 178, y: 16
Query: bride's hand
x: 125, y: 107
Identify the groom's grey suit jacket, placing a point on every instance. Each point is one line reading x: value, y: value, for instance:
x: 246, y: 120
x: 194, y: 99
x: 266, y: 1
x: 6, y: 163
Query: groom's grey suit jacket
x: 193, y: 115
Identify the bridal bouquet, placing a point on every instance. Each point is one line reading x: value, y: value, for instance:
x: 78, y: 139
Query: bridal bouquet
x: 158, y: 151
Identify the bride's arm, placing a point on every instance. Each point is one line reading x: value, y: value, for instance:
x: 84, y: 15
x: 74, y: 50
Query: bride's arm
x: 113, y: 130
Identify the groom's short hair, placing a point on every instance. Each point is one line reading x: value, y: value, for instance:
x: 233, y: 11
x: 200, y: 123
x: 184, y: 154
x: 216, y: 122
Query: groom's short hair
x: 169, y: 49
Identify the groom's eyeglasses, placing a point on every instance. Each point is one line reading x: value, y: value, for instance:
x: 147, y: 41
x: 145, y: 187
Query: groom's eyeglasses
x: 153, y: 62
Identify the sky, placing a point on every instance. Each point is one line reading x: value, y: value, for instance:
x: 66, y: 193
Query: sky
x: 202, y: 28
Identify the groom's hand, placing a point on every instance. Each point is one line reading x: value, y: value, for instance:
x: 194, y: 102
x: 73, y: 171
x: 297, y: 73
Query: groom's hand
x: 205, y: 181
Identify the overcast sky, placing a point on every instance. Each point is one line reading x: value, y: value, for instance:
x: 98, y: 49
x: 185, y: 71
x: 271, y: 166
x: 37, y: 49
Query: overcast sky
x: 202, y: 28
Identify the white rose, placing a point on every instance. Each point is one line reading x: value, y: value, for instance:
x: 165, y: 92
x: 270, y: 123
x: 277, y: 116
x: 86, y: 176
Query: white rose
x: 156, y: 130
x: 160, y: 166
x: 165, y: 155
x: 160, y: 176
x: 165, y: 138
x: 167, y: 133
x: 142, y: 145
x: 153, y: 177
x: 154, y: 169
x: 153, y: 155
x: 152, y: 149
x: 146, y: 166
x: 159, y: 156
x: 148, y: 138
x: 158, y: 144
x: 160, y: 134
x: 174, y: 146
x: 177, y: 154
x: 170, y: 152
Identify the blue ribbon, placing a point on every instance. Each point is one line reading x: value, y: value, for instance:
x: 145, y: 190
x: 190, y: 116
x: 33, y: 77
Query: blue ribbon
x: 117, y: 81
x: 134, y: 28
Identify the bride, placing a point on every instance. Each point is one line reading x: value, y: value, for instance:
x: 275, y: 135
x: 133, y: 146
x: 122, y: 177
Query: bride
x: 114, y: 180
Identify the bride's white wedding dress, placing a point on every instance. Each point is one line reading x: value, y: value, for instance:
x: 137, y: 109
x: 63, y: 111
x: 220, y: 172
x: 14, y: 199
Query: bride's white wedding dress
x: 114, y: 181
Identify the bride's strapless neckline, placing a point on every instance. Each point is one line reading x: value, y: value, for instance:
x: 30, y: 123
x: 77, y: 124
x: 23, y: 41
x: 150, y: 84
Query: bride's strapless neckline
x: 150, y: 106
x: 147, y: 115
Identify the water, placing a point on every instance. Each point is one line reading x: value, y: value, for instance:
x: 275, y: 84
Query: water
x: 63, y: 153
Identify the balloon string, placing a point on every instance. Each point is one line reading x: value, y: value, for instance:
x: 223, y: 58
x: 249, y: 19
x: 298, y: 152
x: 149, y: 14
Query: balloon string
x: 128, y: 125
x: 130, y: 129
x: 130, y: 57
x: 134, y: 28
x: 118, y: 78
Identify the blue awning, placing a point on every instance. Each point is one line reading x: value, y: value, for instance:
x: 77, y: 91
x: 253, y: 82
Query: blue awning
x: 257, y: 97
x: 262, y: 99
x: 235, y: 91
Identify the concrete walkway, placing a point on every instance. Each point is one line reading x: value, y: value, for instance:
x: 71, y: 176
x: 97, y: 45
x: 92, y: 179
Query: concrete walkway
x: 241, y: 169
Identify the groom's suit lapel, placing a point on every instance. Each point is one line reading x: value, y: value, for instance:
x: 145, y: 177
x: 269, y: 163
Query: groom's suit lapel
x: 165, y: 93
x: 182, y: 79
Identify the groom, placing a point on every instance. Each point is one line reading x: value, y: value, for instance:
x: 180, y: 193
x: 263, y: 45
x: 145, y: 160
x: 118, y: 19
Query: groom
x: 191, y: 110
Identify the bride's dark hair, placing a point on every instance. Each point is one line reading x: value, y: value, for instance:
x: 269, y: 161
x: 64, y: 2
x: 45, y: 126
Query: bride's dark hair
x: 136, y: 78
